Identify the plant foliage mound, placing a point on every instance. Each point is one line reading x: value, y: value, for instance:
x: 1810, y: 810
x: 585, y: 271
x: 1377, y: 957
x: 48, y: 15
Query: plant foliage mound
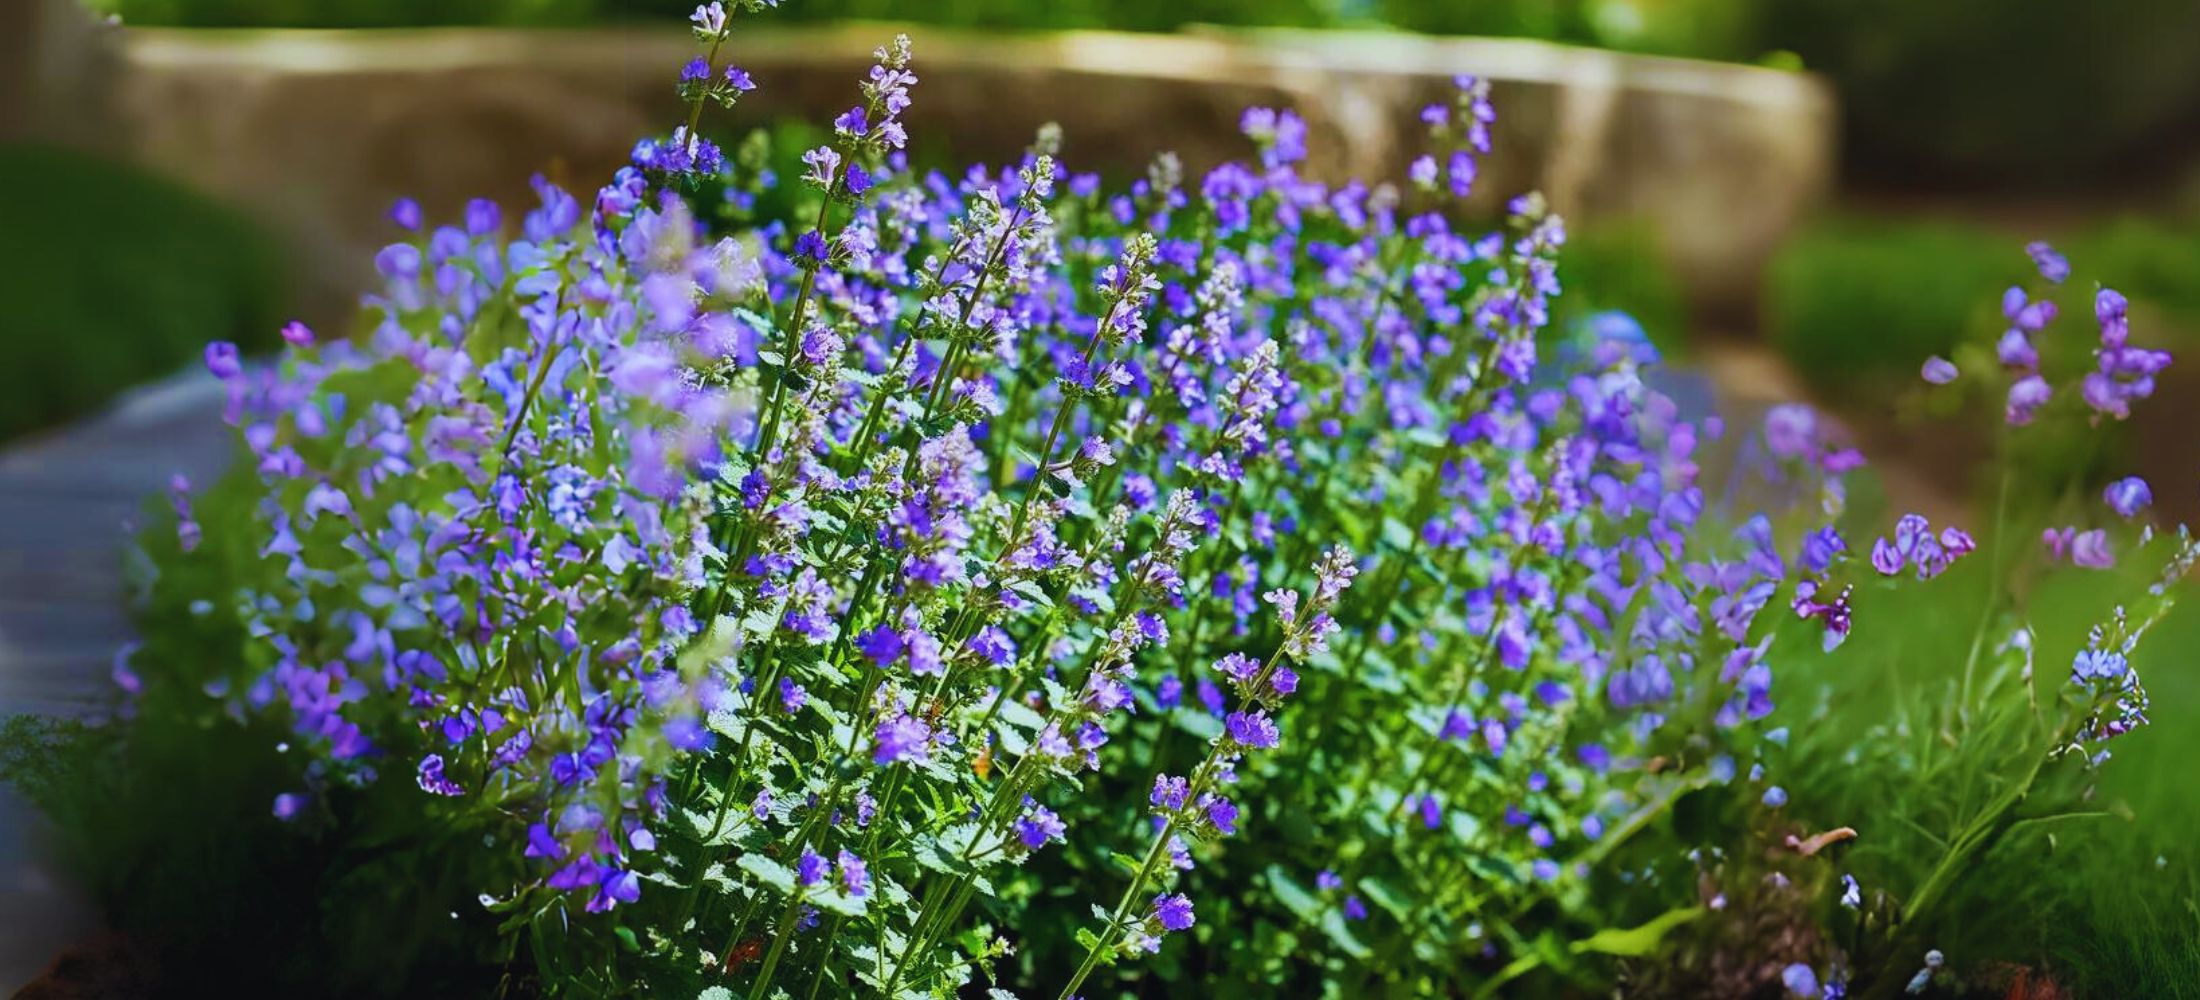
x: 992, y: 581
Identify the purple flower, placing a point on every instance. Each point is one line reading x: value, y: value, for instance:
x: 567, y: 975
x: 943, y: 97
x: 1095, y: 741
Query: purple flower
x: 1939, y: 371
x: 432, y: 781
x: 1169, y: 792
x: 1775, y: 797
x: 1038, y: 826
x: 297, y: 334
x: 1174, y: 913
x: 2026, y: 396
x: 1800, y: 980
x: 406, y: 213
x: 2097, y: 664
x: 2113, y: 312
x: 811, y: 869
x: 1221, y: 813
x: 2128, y: 496
x: 2052, y: 265
x: 902, y: 737
x: 221, y: 359
x: 1252, y: 729
x: 288, y: 805
x: 2016, y: 351
x: 810, y: 246
x: 739, y: 79
x: 2090, y: 550
x: 855, y: 876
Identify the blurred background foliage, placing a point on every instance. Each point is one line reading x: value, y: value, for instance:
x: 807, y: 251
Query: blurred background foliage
x: 115, y: 277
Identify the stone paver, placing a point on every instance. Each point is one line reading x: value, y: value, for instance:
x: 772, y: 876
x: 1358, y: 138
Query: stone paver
x: 65, y: 500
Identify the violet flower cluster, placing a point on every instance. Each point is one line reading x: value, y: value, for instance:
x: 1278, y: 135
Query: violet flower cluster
x: 794, y: 591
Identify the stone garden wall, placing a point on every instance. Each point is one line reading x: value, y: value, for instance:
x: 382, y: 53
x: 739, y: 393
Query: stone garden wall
x: 320, y: 130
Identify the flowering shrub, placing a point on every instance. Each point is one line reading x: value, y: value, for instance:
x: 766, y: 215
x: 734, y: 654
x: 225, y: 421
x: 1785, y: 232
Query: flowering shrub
x: 924, y: 592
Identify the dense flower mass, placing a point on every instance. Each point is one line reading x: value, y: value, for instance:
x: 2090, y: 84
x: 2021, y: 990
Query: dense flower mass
x: 791, y: 586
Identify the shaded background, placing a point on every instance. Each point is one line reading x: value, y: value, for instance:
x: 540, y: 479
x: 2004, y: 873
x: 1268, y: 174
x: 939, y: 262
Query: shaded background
x: 1798, y: 199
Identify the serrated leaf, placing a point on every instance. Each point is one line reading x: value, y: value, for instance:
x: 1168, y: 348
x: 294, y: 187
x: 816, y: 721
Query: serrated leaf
x: 1015, y: 713
x: 839, y: 903
x: 771, y: 873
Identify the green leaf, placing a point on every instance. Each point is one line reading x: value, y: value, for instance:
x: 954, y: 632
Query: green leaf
x: 1340, y: 934
x: 1197, y: 723
x: 769, y: 872
x: 1386, y: 897
x: 1016, y: 713
x: 1089, y: 941
x: 839, y: 903
x: 1294, y: 896
x: 1635, y: 942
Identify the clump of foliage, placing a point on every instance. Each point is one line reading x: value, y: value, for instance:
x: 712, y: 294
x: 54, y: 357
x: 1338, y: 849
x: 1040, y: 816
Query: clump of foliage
x: 923, y: 597
x: 118, y: 277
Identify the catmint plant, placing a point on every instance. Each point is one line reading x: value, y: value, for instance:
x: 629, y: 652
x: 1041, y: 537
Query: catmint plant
x: 842, y: 601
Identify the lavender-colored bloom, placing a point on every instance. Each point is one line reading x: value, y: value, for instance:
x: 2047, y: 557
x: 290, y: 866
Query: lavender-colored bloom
x: 221, y: 359
x: 855, y: 876
x: 2016, y: 352
x: 810, y: 246
x: 1169, y: 792
x: 2026, y: 396
x: 2128, y: 496
x: 811, y: 869
x: 1173, y: 912
x: 1775, y: 797
x: 1939, y: 371
x: 2097, y: 664
x: 900, y: 738
x: 2090, y: 549
x: 2052, y: 265
x: 1852, y: 895
x: 288, y: 805
x: 1800, y: 980
x: 1252, y: 729
x: 1037, y: 826
x: 432, y: 780
x: 1221, y: 813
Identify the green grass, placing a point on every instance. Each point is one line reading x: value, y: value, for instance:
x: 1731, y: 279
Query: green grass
x: 111, y: 277
x: 1853, y: 301
x: 1886, y: 741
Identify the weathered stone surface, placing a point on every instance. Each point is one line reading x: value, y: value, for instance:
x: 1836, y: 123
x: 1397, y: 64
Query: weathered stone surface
x: 57, y: 70
x: 321, y: 130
